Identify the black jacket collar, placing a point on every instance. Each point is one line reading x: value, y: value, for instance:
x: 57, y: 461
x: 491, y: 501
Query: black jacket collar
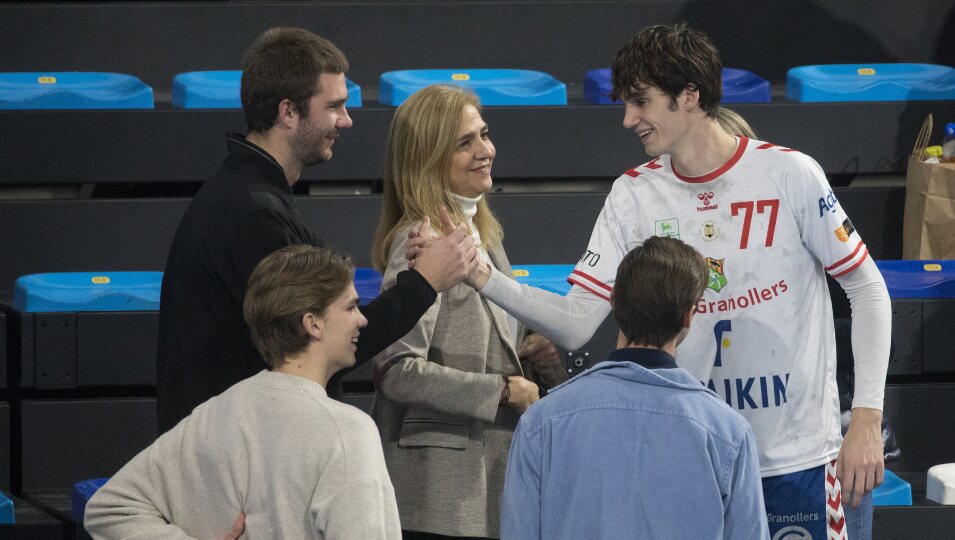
x: 246, y: 156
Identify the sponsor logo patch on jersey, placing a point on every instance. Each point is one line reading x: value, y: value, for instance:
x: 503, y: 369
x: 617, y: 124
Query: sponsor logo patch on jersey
x: 668, y: 228
x: 708, y: 230
x: 706, y: 198
x: 829, y: 203
x: 717, y: 278
x: 845, y: 231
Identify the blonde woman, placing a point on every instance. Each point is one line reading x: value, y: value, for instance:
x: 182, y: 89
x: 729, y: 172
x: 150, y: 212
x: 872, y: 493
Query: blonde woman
x: 449, y: 394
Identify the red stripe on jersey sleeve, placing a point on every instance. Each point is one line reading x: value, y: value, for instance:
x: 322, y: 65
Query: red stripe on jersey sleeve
x: 846, y: 259
x: 854, y: 266
x: 765, y: 146
x: 577, y: 282
x: 632, y: 173
x: 591, y: 279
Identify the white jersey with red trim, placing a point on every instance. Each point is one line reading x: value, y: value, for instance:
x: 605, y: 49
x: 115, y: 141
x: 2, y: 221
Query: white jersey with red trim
x: 769, y: 226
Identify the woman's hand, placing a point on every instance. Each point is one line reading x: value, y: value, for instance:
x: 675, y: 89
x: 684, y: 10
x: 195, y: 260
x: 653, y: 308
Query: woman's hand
x: 523, y: 393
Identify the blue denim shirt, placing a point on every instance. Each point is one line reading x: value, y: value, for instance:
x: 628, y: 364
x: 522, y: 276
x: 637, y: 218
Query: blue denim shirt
x: 634, y: 447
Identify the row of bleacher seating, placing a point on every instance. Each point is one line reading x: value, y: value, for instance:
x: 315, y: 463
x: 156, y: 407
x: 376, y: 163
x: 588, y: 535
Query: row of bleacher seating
x: 72, y: 326
x: 70, y: 299
x: 495, y: 87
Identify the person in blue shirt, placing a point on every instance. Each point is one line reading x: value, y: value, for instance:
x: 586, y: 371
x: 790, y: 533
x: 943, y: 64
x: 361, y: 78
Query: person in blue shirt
x: 636, y: 447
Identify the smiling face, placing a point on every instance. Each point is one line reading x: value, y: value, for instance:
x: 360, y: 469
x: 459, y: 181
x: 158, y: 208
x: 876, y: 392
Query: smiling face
x: 341, y: 324
x: 657, y: 119
x: 470, y: 169
x: 327, y: 116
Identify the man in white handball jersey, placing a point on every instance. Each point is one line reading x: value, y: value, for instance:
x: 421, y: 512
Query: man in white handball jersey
x: 770, y: 228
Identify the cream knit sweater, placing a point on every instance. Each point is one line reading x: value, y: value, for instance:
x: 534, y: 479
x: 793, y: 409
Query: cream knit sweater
x: 299, y: 464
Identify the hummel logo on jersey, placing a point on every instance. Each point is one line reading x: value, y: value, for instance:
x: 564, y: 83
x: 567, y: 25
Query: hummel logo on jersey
x: 705, y: 198
x: 828, y: 204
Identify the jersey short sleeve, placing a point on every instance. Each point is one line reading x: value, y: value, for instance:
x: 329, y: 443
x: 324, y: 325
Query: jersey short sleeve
x: 824, y: 226
x: 597, y: 268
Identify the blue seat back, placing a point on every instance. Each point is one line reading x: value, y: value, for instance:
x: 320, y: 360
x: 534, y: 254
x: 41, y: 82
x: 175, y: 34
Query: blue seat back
x: 870, y: 82
x: 82, y: 493
x: 550, y: 277
x: 919, y: 279
x: 222, y: 90
x: 73, y: 90
x: 493, y: 86
x: 893, y: 492
x: 87, y: 291
x: 739, y: 86
x: 368, y: 284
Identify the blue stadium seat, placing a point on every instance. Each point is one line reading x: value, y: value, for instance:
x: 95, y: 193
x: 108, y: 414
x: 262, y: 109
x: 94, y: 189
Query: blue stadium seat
x: 6, y: 509
x: 739, y: 86
x: 73, y: 90
x: 550, y: 277
x: 870, y: 82
x: 893, y: 492
x: 82, y: 493
x: 87, y: 291
x: 220, y: 90
x: 368, y: 284
x: 493, y: 86
x: 919, y: 279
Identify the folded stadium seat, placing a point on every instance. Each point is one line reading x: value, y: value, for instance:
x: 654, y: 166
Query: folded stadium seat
x: 923, y: 329
x: 739, y: 86
x: 73, y: 90
x: 220, y: 90
x: 87, y: 291
x: 893, y: 492
x: 90, y: 337
x: 553, y: 278
x: 82, y: 329
x: 6, y: 509
x: 368, y: 284
x: 870, y: 82
x: 550, y: 277
x: 940, y: 483
x: 82, y: 493
x: 493, y: 86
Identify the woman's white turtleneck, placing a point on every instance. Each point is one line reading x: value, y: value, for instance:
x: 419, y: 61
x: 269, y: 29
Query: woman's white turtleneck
x: 468, y: 207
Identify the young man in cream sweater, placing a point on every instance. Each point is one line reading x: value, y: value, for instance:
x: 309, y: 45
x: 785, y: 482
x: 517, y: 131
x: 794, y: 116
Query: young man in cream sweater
x: 273, y: 456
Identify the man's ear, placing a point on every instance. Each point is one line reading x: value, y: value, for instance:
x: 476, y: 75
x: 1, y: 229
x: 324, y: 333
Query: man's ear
x: 690, y: 96
x: 688, y: 317
x: 288, y: 114
x: 313, y: 325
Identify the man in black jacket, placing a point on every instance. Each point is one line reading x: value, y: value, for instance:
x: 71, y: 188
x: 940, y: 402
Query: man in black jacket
x: 293, y: 96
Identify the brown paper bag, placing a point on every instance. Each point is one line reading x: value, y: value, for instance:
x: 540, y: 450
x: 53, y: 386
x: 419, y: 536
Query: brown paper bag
x: 928, y: 227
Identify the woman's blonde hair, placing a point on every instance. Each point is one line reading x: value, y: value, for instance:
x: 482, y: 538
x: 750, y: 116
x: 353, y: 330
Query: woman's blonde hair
x: 421, y: 143
x: 734, y: 124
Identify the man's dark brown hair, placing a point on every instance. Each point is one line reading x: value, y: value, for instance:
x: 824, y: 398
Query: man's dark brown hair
x: 657, y: 284
x: 285, y: 63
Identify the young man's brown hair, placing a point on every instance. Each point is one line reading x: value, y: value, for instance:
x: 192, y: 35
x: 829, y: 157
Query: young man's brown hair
x: 285, y: 63
x: 671, y: 58
x: 286, y: 285
x: 657, y: 285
